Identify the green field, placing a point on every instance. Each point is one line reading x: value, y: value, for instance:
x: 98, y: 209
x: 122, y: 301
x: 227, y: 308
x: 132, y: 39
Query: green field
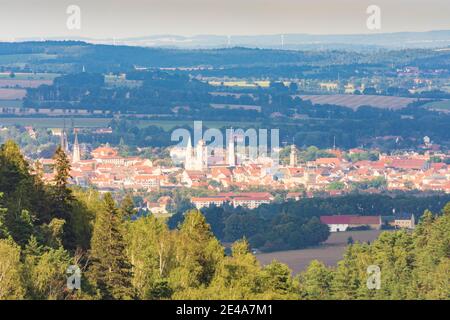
x: 82, y: 122
x: 56, y: 122
x: 439, y: 105
x: 24, y: 58
x: 170, y: 124
x: 29, y: 76
x: 11, y: 103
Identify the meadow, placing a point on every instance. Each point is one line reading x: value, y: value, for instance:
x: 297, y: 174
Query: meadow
x: 56, y: 122
x: 443, y: 105
x: 330, y: 252
x: 356, y: 101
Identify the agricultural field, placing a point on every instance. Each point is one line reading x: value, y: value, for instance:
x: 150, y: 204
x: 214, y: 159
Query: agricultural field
x: 12, y: 94
x: 29, y: 76
x: 170, y: 124
x: 16, y: 83
x: 12, y: 104
x: 11, y: 59
x: 356, y: 101
x: 443, y: 106
x: 236, y: 107
x: 56, y: 122
x: 26, y: 80
x: 329, y: 253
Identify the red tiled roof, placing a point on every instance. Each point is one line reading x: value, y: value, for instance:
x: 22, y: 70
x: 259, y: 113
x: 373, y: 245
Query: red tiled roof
x: 343, y: 219
x: 408, y: 164
x: 365, y: 220
x: 209, y: 199
x: 438, y: 166
x: 350, y: 219
x: 334, y: 161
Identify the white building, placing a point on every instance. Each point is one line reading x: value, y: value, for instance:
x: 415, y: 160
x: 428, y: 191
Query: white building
x: 198, y: 160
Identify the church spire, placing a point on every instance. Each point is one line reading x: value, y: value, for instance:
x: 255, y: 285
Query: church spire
x: 293, y: 156
x: 188, y: 155
x: 76, y: 149
x: 63, y: 141
x: 231, y: 152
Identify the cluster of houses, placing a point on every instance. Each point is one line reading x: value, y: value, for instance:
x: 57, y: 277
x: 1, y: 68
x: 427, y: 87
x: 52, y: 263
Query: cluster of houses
x: 107, y: 170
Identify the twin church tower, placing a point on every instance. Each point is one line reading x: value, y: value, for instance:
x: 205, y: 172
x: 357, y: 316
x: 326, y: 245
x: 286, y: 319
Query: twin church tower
x: 197, y: 160
x: 76, y: 153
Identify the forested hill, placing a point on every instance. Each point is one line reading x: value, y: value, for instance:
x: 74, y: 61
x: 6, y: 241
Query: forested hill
x: 71, y: 56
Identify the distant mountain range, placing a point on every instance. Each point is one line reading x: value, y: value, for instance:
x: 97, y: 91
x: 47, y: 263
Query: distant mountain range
x: 399, y: 40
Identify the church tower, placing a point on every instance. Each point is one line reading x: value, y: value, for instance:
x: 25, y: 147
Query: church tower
x: 231, y: 152
x: 63, y: 141
x: 202, y: 159
x: 188, y: 155
x: 198, y: 160
x: 293, y: 156
x: 76, y: 155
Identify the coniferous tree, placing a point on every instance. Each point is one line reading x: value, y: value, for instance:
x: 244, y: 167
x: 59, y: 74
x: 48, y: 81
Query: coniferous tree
x: 4, y: 232
x: 110, y: 268
x: 277, y: 281
x: 63, y: 198
x: 17, y: 186
x: 316, y: 282
x: 62, y: 176
x: 127, y: 209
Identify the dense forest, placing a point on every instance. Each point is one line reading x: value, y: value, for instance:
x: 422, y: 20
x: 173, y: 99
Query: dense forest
x: 295, y: 224
x: 44, y: 229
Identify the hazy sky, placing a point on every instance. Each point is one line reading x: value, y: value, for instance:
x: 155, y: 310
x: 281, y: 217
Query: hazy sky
x: 130, y: 18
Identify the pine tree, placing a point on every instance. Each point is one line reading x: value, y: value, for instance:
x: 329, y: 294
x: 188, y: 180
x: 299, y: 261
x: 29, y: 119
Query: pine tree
x: 4, y: 232
x: 127, y: 209
x: 110, y: 268
x: 277, y: 281
x: 62, y: 197
x: 16, y: 184
x: 13, y: 167
x: 45, y: 271
x: 62, y: 175
x: 316, y: 282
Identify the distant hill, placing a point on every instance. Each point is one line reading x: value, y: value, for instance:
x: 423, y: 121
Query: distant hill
x: 74, y: 56
x: 430, y: 39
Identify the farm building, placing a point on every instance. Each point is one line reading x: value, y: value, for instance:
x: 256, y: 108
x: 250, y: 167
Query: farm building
x: 345, y: 222
x: 401, y: 220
